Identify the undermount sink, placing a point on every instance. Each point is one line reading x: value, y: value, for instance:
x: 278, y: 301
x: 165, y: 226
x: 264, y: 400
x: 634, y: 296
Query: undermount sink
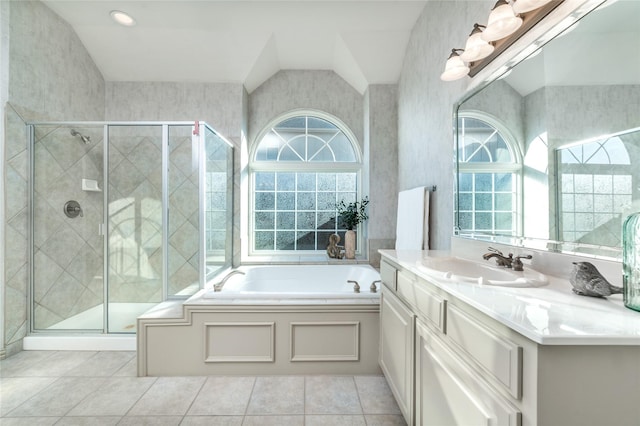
x: 463, y: 270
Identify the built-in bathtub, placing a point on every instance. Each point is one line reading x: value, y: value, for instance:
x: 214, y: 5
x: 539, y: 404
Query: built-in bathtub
x: 272, y: 319
x: 298, y: 281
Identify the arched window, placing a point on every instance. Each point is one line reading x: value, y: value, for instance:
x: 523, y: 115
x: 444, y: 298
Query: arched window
x: 489, y: 170
x: 303, y: 164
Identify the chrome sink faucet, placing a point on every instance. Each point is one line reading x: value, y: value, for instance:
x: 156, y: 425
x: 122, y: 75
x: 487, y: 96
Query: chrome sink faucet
x: 507, y: 261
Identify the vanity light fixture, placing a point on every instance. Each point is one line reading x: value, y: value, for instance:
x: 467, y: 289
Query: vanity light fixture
x: 502, y: 22
x: 523, y: 6
x: 508, y: 20
x: 476, y: 48
x: 455, y: 68
x: 122, y: 18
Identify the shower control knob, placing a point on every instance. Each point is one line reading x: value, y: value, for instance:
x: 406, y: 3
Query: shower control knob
x: 72, y: 209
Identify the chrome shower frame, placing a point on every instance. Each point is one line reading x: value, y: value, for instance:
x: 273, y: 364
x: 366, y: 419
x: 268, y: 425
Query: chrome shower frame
x: 199, y: 129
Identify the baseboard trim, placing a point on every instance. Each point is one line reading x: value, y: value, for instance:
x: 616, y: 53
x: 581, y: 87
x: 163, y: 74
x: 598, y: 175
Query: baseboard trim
x: 80, y: 343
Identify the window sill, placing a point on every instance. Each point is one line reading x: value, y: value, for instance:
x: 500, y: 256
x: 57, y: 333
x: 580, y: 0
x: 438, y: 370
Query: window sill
x: 308, y: 259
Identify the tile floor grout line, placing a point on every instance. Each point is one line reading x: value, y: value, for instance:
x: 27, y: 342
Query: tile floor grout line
x: 304, y: 400
x: 31, y: 397
x: 125, y: 364
x: 204, y: 382
x: 155, y: 379
x: 103, y: 379
x: 355, y: 384
x: 246, y: 408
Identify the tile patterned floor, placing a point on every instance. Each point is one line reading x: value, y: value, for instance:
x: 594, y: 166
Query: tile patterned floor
x: 101, y: 388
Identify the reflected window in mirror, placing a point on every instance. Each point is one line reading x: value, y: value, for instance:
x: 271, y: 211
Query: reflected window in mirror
x: 595, y: 189
x: 489, y: 169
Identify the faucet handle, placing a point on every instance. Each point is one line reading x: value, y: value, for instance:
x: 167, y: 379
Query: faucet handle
x: 517, y: 263
x: 495, y: 250
x: 524, y: 256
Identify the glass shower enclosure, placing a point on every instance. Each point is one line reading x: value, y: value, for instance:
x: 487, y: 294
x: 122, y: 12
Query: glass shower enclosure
x: 124, y: 216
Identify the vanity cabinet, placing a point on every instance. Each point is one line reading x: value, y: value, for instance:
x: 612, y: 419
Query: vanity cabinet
x: 449, y: 363
x: 396, y: 349
x: 426, y: 369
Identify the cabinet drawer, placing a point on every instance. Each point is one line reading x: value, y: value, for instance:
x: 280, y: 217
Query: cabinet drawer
x: 429, y: 305
x: 388, y: 275
x: 499, y: 357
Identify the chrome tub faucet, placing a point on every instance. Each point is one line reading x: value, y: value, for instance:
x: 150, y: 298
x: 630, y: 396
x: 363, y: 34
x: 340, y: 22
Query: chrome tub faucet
x: 218, y: 286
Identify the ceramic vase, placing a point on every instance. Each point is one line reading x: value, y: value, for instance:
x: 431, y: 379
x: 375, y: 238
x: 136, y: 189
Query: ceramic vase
x: 350, y: 244
x: 631, y: 262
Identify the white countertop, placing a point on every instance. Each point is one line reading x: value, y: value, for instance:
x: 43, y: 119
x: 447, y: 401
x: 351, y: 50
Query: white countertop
x: 549, y: 315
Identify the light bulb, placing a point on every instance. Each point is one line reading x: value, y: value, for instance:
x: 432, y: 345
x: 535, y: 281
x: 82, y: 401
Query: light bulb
x: 523, y: 6
x: 476, y: 48
x: 123, y: 18
x: 455, y: 68
x: 502, y: 22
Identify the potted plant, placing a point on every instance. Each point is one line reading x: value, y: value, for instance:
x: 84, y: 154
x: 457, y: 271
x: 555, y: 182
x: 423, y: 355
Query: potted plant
x: 352, y: 214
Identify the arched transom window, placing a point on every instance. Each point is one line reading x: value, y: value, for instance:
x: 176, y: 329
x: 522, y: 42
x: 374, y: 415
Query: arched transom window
x: 302, y: 166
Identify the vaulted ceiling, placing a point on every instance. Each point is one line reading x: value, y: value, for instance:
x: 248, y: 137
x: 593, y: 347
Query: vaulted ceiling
x: 244, y: 41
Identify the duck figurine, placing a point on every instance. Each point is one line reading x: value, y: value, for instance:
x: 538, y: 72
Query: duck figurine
x: 588, y: 281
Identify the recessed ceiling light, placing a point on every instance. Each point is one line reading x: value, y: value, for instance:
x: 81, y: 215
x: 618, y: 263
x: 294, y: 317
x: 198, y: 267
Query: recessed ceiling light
x: 122, y: 18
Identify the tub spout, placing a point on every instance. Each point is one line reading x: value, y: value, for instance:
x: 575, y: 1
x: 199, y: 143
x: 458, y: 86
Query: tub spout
x: 356, y: 286
x: 218, y: 286
x: 373, y: 288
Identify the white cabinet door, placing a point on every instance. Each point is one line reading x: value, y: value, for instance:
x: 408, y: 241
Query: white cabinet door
x: 396, y: 350
x: 449, y: 393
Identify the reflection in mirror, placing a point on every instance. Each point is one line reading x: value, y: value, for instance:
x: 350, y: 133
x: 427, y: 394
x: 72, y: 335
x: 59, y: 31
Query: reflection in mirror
x: 488, y: 170
x: 595, y: 188
x: 566, y: 194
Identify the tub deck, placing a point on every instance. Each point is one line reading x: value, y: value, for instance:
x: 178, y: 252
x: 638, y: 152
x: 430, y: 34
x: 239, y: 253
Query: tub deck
x: 261, y: 336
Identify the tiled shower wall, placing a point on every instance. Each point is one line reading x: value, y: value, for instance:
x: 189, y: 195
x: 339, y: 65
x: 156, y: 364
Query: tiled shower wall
x: 51, y: 77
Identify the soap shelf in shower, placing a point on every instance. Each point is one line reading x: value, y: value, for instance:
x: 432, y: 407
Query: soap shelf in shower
x: 90, y: 185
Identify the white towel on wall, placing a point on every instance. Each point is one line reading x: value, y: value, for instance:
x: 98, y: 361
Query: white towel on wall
x: 412, y: 227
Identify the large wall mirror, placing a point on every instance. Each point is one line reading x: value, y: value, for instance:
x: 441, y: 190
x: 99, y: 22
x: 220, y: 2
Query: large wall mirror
x: 549, y: 152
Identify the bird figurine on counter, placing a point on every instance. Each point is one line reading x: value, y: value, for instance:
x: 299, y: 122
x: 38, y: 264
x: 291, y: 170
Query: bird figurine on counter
x: 588, y: 281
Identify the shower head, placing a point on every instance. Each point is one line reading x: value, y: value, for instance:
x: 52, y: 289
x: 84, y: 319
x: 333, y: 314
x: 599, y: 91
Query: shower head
x: 85, y: 139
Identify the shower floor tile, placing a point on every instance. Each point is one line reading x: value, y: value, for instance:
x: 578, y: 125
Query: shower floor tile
x: 69, y: 388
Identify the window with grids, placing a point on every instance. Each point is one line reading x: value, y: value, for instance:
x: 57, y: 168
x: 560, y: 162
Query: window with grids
x: 302, y: 167
x: 593, y: 197
x: 488, y: 172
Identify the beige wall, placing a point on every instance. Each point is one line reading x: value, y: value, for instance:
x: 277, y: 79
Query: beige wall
x: 425, y: 107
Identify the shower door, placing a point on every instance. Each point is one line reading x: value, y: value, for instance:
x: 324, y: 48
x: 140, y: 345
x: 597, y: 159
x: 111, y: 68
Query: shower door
x: 135, y: 260
x: 67, y: 291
